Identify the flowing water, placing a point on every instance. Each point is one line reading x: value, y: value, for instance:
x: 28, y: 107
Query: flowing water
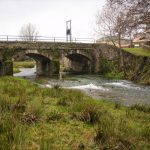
x: 121, y: 91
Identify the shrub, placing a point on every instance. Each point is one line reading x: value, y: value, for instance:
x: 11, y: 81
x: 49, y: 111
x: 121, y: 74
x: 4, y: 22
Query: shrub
x: 141, y: 108
x: 7, y: 124
x: 53, y: 116
x: 4, y: 103
x: 112, y: 134
x: 105, y: 66
x: 29, y: 118
x: 19, y: 136
x: 18, y: 106
x: 90, y: 115
x: 105, y: 129
x: 117, y: 105
x: 62, y: 102
x: 145, y: 132
x: 81, y: 146
x: 56, y: 86
x: 45, y: 144
x: 87, y: 112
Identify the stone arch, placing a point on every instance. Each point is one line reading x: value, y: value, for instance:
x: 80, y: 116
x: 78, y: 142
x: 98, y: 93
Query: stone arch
x: 44, y: 63
x: 78, y: 63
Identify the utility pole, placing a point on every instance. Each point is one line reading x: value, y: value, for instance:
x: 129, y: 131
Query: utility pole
x: 68, y: 31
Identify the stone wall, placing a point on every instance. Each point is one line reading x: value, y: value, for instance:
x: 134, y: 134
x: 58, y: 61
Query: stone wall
x: 50, y: 56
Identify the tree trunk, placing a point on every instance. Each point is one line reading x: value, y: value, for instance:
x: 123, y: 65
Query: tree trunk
x: 122, y: 63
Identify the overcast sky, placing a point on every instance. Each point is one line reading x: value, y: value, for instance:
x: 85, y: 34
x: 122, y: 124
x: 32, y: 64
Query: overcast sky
x: 49, y: 16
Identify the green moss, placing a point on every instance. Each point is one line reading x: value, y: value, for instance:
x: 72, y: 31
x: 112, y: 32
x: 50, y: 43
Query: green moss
x: 138, y: 51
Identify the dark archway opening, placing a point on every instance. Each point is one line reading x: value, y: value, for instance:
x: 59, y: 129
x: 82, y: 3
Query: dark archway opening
x: 78, y: 64
x: 43, y: 65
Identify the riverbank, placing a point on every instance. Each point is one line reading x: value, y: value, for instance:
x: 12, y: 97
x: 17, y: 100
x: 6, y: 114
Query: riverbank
x: 136, y: 67
x: 22, y: 64
x: 56, y: 118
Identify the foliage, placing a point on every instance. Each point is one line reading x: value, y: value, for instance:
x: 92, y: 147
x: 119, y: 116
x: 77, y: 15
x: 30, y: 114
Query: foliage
x: 53, y: 116
x: 110, y: 69
x: 105, y: 66
x: 141, y: 108
x: 111, y: 134
x: 87, y: 112
x: 16, y: 70
x: 138, y: 51
x: 23, y: 64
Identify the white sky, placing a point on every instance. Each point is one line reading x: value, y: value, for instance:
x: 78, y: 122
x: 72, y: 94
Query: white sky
x: 49, y: 16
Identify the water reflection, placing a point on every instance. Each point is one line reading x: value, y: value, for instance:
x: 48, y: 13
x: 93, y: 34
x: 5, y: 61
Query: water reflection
x: 26, y: 72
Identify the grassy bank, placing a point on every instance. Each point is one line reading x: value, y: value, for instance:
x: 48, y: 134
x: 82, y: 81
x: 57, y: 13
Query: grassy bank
x: 138, y: 51
x: 16, y: 70
x: 58, y: 119
x: 22, y: 64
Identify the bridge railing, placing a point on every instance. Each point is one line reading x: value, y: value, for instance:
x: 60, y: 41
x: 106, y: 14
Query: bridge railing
x: 45, y: 39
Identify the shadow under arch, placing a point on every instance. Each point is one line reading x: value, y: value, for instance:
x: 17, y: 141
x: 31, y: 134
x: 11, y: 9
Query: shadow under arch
x: 44, y: 65
x: 79, y: 63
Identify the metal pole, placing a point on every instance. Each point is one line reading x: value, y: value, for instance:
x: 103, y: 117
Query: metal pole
x: 66, y: 31
x: 70, y: 31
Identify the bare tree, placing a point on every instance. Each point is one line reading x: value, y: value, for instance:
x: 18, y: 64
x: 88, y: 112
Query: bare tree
x: 112, y: 23
x: 29, y: 32
x: 120, y: 18
x: 138, y: 11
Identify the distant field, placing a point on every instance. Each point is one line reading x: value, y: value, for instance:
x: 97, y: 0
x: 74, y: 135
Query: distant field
x: 138, y: 51
x: 24, y: 64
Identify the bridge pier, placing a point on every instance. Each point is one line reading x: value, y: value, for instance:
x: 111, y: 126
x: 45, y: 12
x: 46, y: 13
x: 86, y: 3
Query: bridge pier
x: 6, y: 68
x: 47, y: 68
x: 79, y: 63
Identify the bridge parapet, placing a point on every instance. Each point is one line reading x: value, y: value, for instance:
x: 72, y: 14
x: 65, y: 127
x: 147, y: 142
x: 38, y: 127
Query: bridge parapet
x: 48, y: 55
x: 45, y: 39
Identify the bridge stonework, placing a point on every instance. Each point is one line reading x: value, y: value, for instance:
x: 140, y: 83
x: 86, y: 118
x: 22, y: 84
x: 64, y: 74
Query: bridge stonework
x: 52, y: 58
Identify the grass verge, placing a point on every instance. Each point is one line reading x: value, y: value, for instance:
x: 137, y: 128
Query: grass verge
x: 16, y: 70
x: 138, y: 51
x: 56, y: 118
x: 23, y: 64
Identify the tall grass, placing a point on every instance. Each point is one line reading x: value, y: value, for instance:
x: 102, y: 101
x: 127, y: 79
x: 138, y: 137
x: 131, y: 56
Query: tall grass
x: 34, y: 118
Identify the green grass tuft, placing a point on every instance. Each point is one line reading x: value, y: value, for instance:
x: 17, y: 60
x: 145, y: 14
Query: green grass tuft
x: 138, y: 51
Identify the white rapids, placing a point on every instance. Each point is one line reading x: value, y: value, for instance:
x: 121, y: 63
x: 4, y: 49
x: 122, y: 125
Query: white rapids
x: 89, y: 86
x: 123, y: 85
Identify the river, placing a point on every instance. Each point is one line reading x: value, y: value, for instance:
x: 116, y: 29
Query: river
x: 120, y: 91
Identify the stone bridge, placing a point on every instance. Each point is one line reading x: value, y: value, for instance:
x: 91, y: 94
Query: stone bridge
x: 51, y: 58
